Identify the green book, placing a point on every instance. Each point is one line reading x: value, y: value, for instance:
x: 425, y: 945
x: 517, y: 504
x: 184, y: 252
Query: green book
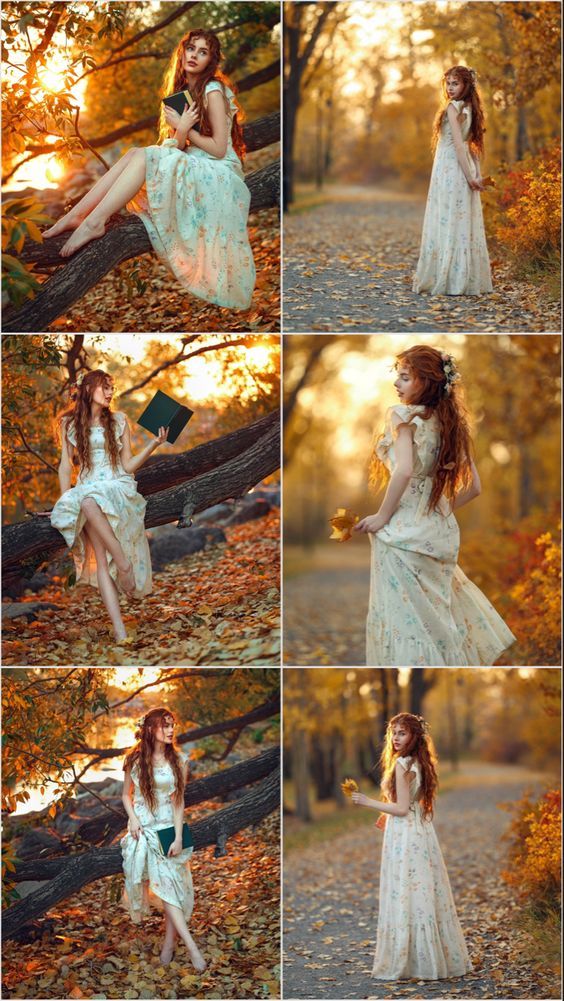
x: 164, y: 412
x: 167, y: 836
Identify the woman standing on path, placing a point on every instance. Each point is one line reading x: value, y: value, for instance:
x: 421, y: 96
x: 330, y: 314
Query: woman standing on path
x: 419, y: 934
x: 155, y: 772
x: 102, y: 518
x: 454, y: 256
x: 193, y: 202
x: 422, y: 607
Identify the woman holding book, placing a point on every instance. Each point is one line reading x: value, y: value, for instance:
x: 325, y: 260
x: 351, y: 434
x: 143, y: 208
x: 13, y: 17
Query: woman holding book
x: 190, y: 190
x: 102, y: 518
x: 155, y: 774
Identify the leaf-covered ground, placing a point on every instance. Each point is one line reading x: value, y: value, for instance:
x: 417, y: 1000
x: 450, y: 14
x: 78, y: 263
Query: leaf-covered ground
x: 94, y: 951
x: 331, y: 903
x: 348, y: 265
x: 220, y: 606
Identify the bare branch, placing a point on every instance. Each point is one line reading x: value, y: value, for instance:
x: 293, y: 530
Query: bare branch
x: 181, y: 356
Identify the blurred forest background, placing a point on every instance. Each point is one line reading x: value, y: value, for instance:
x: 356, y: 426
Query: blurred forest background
x: 497, y: 734
x: 337, y: 391
x: 64, y: 737
x: 363, y: 85
x: 82, y: 84
x: 232, y: 385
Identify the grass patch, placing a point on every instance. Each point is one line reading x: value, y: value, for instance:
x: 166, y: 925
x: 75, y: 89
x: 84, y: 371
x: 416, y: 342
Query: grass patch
x: 545, y: 939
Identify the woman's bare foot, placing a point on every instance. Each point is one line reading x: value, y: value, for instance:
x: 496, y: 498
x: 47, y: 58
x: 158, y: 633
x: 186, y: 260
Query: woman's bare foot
x: 126, y: 579
x: 166, y: 954
x: 86, y: 232
x: 68, y: 221
x: 198, y: 961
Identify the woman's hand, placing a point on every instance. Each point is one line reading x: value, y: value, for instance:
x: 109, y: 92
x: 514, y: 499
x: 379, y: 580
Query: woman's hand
x: 172, y: 117
x: 188, y: 118
x: 135, y: 829
x: 175, y: 848
x: 372, y: 523
x: 475, y: 184
x: 161, y: 437
x: 360, y: 799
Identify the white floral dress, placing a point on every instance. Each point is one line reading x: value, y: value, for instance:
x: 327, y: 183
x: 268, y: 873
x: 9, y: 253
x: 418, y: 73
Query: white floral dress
x: 454, y: 257
x: 150, y: 876
x: 194, y: 207
x: 422, y: 607
x: 115, y: 492
x: 419, y: 934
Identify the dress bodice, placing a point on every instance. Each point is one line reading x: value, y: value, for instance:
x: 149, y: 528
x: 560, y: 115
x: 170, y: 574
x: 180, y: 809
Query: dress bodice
x: 426, y: 439
x: 464, y: 112
x: 230, y: 157
x: 164, y: 785
x: 410, y: 765
x: 101, y: 468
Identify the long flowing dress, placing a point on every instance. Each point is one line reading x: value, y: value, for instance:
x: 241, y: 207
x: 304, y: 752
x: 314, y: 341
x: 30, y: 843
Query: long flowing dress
x: 453, y: 259
x: 194, y: 207
x: 422, y: 607
x: 151, y: 877
x: 419, y: 934
x: 115, y: 492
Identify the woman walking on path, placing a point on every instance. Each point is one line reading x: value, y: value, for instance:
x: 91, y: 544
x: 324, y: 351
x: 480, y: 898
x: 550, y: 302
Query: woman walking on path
x: 422, y: 607
x: 419, y: 934
x: 454, y: 256
x: 155, y: 774
x: 102, y: 518
x: 193, y: 201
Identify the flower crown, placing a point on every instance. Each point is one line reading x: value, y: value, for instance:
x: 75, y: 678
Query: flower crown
x: 424, y: 724
x: 452, y: 375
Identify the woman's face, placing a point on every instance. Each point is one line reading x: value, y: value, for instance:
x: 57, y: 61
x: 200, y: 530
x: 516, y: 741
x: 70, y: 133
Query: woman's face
x: 164, y: 730
x: 454, y: 87
x: 407, y: 384
x: 103, y: 393
x: 197, y: 56
x: 400, y: 737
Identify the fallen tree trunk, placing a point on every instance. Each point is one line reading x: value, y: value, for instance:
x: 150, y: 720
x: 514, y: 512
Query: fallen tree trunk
x: 85, y: 867
x: 26, y: 544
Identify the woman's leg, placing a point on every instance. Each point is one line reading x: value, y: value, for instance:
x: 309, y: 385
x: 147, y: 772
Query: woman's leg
x: 167, y: 950
x: 106, y: 585
x: 126, y: 185
x: 74, y: 217
x: 179, y: 922
x: 96, y: 518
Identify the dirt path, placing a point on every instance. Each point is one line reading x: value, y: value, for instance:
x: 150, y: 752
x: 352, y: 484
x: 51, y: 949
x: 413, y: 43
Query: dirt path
x: 331, y: 903
x: 324, y: 616
x: 348, y: 265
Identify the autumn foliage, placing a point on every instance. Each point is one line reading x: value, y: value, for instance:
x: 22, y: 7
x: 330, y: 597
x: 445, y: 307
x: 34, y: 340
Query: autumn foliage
x: 536, y: 851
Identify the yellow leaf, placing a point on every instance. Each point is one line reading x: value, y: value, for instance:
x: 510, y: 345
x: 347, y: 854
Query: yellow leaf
x: 261, y: 973
x: 349, y: 786
x: 342, y: 524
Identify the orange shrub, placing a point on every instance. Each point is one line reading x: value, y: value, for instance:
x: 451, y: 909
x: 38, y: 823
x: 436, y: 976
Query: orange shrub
x: 536, y: 599
x: 535, y: 852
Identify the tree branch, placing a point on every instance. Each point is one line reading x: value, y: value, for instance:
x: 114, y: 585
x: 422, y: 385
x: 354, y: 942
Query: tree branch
x: 180, y: 10
x: 180, y: 357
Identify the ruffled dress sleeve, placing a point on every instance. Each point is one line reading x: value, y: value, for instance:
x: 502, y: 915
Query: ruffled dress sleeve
x: 70, y: 431
x: 395, y: 418
x: 215, y: 85
x: 121, y: 421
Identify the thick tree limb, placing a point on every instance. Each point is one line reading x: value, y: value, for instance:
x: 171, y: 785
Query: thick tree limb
x: 183, y: 355
x: 81, y: 869
x: 27, y: 543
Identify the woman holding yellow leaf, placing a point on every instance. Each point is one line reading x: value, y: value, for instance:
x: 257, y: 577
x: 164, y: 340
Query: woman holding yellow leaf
x: 422, y: 607
x: 419, y: 934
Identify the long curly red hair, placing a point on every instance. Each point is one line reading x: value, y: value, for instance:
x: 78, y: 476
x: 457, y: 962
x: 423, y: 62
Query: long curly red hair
x: 470, y: 95
x: 175, y: 79
x: 80, y: 415
x: 452, y: 469
x: 421, y: 749
x: 142, y: 756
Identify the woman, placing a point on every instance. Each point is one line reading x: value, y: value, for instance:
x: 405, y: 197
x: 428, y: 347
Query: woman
x: 155, y: 774
x: 422, y: 607
x: 193, y: 202
x: 102, y: 518
x: 419, y: 934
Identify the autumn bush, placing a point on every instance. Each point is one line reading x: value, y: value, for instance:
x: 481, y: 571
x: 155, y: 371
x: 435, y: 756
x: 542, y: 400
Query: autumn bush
x: 525, y: 215
x: 535, y: 853
x: 536, y: 599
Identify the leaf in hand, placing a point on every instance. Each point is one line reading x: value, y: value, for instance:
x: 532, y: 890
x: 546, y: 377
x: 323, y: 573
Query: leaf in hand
x: 342, y: 524
x: 349, y: 786
x: 488, y: 182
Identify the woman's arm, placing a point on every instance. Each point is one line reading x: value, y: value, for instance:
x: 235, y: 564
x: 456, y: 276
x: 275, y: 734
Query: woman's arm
x: 180, y: 125
x: 65, y: 465
x: 131, y: 463
x: 216, y: 144
x: 398, y: 809
x: 461, y: 151
x: 178, y: 808
x: 135, y: 828
x: 398, y: 482
x: 474, y: 490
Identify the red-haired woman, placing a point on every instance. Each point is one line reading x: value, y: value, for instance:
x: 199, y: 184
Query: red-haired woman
x: 102, y: 518
x: 422, y: 608
x: 155, y: 774
x: 419, y: 934
x: 190, y: 191
x: 454, y: 256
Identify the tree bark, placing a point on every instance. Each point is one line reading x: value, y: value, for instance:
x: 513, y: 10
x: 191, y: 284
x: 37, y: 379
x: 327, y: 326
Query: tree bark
x: 85, y: 867
x: 28, y: 543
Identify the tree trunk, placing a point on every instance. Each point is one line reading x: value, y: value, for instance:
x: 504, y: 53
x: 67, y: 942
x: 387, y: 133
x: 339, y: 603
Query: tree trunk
x: 124, y: 238
x: 78, y: 870
x: 300, y: 774
x: 420, y: 683
x: 28, y: 543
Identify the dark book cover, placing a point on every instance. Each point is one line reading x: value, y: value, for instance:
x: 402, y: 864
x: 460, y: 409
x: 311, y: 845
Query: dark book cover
x: 165, y: 412
x: 179, y: 101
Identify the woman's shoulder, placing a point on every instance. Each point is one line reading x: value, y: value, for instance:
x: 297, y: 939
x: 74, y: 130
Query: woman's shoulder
x: 216, y: 85
x: 405, y: 413
x: 407, y: 763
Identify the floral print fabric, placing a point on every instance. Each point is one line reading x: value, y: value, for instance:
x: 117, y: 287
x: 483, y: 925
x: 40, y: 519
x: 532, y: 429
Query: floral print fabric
x: 115, y: 492
x: 151, y: 877
x: 419, y: 934
x: 194, y: 207
x: 454, y: 257
x: 422, y: 607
